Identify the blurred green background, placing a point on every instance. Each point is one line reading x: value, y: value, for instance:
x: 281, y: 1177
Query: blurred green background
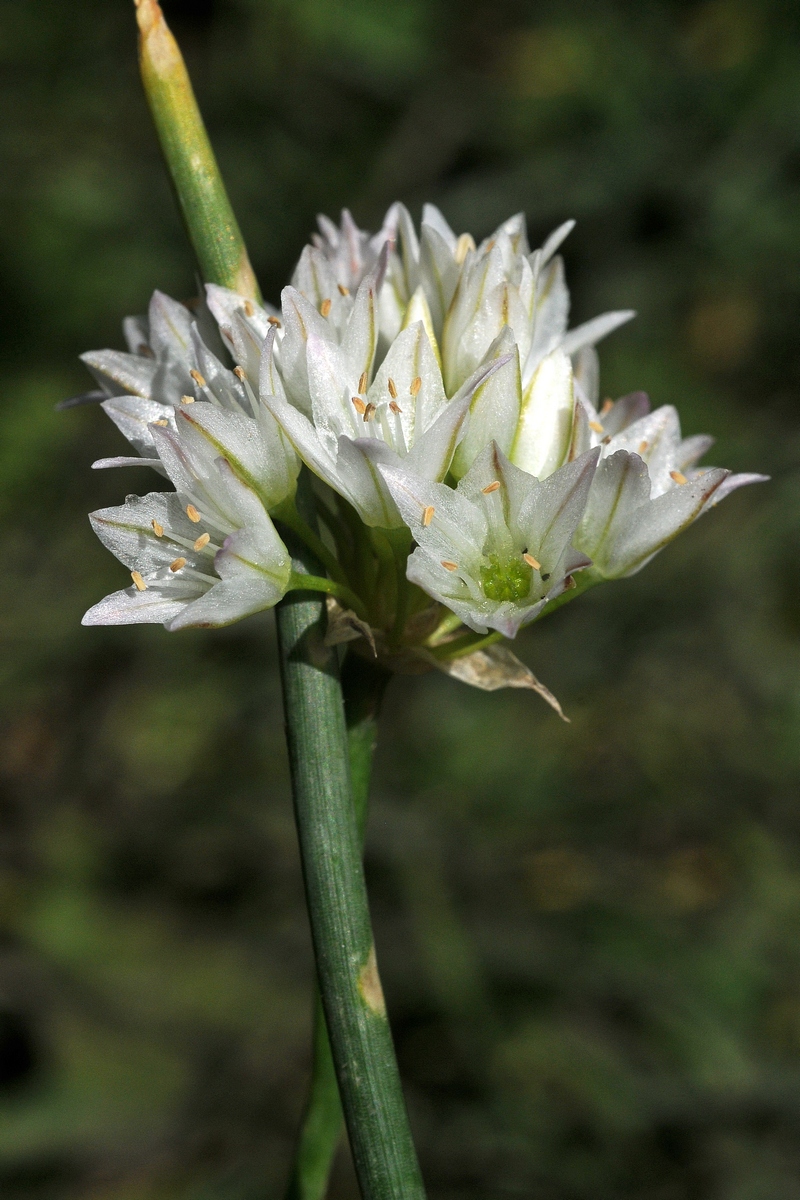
x: 589, y: 933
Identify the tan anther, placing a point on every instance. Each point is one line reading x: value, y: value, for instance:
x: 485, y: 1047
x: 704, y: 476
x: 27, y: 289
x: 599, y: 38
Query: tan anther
x: 198, y: 378
x: 596, y: 426
x: 163, y: 421
x: 343, y: 291
x: 392, y: 386
x: 678, y: 476
x: 463, y: 246
x: 192, y: 513
x: 362, y: 382
x: 642, y: 447
x: 239, y: 373
x: 369, y: 412
x: 490, y: 245
x: 138, y: 582
x: 395, y: 407
x: 187, y: 399
x: 491, y: 487
x: 449, y: 566
x: 607, y: 407
x: 177, y: 564
x: 427, y: 515
x: 274, y: 321
x: 416, y: 384
x: 359, y: 405
x: 202, y: 541
x: 144, y: 350
x: 158, y: 530
x: 531, y: 561
x: 249, y: 308
x: 324, y: 308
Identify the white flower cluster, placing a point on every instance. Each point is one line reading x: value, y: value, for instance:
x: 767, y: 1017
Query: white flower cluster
x: 451, y: 419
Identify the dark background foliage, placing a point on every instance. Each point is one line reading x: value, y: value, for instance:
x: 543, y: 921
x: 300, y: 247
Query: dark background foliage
x: 589, y: 933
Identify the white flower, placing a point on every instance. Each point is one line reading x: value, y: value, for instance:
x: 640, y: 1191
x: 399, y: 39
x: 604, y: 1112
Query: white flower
x: 206, y: 554
x: 534, y: 426
x: 497, y: 548
x: 343, y: 423
x: 466, y: 294
x: 171, y: 364
x: 647, y: 487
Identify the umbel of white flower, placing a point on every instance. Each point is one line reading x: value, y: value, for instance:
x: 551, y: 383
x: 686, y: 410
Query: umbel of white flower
x: 466, y: 476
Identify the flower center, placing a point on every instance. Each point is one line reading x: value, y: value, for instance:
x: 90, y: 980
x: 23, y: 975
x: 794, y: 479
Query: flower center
x: 509, y: 580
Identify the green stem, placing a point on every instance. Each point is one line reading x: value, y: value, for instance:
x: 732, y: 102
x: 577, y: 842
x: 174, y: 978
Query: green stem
x: 204, y: 204
x: 363, y: 685
x: 361, y: 1041
x: 318, y: 583
x: 287, y: 512
x: 400, y: 540
x: 464, y: 645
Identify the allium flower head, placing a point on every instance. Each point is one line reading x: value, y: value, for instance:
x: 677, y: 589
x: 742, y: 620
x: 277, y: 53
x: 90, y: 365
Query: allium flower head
x: 451, y: 417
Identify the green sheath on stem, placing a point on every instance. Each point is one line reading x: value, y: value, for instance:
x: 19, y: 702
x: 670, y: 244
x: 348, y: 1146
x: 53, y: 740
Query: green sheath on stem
x: 212, y: 227
x: 363, y: 685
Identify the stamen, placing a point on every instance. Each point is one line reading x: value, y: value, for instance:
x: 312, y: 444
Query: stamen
x: 192, y: 513
x: 464, y: 244
x: 343, y: 291
x: 596, y: 426
x: 491, y: 487
x: 249, y: 310
x: 198, y: 378
x: 607, y: 406
x: 359, y: 405
x: 202, y: 541
x: 163, y: 421
x: 490, y: 245
x: 427, y: 515
x: 416, y: 384
x: 158, y: 530
x: 678, y: 476
x: 369, y: 412
x: 449, y: 566
x: 362, y: 382
x: 138, y: 582
x: 274, y: 321
x: 392, y: 386
x: 531, y: 561
x: 239, y: 373
x: 642, y: 447
x: 325, y: 308
x: 569, y: 583
x: 187, y: 399
x: 144, y: 350
x: 177, y: 564
x: 395, y: 407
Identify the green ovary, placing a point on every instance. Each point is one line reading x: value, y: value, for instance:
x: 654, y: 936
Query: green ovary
x: 505, y: 580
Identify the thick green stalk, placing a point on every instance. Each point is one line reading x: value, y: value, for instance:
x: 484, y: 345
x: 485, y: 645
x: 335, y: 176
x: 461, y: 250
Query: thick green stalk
x: 361, y: 1041
x: 206, y: 209
x: 363, y: 685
